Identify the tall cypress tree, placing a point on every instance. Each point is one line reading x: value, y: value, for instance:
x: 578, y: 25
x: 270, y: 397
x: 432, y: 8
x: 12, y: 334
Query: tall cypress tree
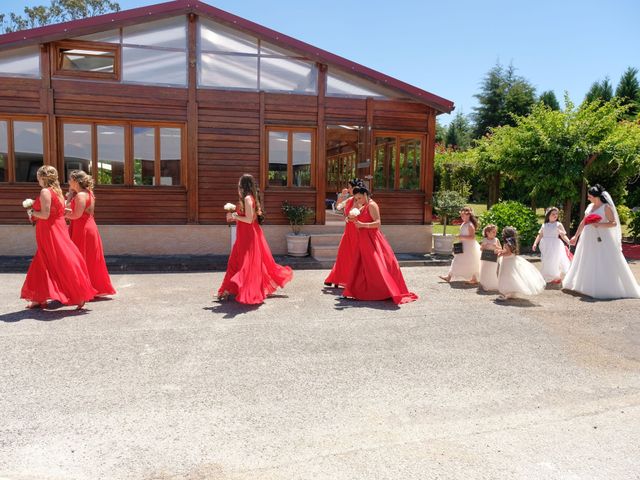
x: 602, y: 91
x: 549, y: 99
x: 628, y: 92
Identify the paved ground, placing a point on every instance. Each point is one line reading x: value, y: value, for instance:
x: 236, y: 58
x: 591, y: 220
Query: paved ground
x: 164, y: 383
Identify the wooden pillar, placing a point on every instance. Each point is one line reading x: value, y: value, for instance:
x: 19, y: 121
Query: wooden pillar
x: 368, y: 142
x: 191, y: 180
x: 47, y: 107
x: 264, y: 166
x: 428, y: 176
x: 321, y: 148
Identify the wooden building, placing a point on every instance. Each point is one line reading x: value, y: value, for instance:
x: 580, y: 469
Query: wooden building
x: 167, y: 105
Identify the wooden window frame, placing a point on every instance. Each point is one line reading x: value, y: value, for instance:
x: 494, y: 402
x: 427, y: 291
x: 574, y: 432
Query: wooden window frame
x: 128, y: 126
x: 396, y: 174
x: 290, y: 131
x: 57, y: 57
x: 11, y: 154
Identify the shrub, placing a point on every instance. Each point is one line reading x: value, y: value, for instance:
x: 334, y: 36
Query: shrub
x: 634, y: 225
x: 297, y: 215
x: 624, y: 213
x: 513, y: 214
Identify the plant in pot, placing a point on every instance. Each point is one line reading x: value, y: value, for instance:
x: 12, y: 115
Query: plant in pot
x: 447, y: 204
x: 297, y: 242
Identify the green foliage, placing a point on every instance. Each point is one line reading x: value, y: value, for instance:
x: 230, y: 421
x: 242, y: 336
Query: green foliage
x: 624, y: 213
x: 549, y: 99
x: 447, y: 204
x: 457, y: 170
x: 297, y: 215
x: 459, y: 132
x: 602, y: 91
x: 628, y: 92
x: 58, y: 11
x: 513, y: 214
x: 634, y: 226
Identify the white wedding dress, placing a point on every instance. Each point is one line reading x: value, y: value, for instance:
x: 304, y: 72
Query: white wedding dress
x: 598, y: 268
x: 555, y: 261
x: 466, y: 265
x: 519, y: 278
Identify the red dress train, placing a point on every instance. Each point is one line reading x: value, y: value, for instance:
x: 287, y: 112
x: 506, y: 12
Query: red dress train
x: 346, y: 250
x: 375, y: 273
x: 57, y: 271
x: 84, y: 234
x: 252, y: 273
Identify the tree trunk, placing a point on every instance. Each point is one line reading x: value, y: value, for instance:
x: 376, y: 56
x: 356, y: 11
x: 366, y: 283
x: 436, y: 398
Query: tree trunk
x: 583, y: 198
x: 494, y: 190
x: 566, y: 217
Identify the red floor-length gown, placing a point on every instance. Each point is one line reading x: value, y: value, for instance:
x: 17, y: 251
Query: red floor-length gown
x: 84, y: 233
x: 348, y: 243
x: 375, y: 273
x: 57, y: 271
x: 252, y: 273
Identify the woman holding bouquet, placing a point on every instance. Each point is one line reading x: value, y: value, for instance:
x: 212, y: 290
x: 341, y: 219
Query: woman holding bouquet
x: 84, y: 231
x: 375, y: 273
x: 252, y: 273
x: 57, y: 271
x: 348, y: 243
x: 598, y: 268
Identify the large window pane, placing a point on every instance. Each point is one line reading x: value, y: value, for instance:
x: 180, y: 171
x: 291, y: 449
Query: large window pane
x: 77, y: 148
x: 284, y: 74
x: 28, y: 144
x: 111, y: 36
x: 385, y: 163
x: 21, y: 62
x: 4, y: 151
x: 228, y: 71
x: 85, y: 60
x: 345, y: 156
x: 170, y: 154
x: 301, y: 159
x: 143, y: 65
x: 278, y: 154
x: 169, y: 33
x: 410, y: 161
x: 110, y: 155
x: 144, y: 155
x: 341, y: 84
x: 213, y: 37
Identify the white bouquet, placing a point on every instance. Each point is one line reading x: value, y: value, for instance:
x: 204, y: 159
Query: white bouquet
x: 354, y: 212
x: 230, y: 207
x: 28, y: 204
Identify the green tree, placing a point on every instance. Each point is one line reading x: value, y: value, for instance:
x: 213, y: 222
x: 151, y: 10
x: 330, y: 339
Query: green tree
x: 602, y: 91
x: 551, y: 155
x: 58, y: 11
x: 441, y: 133
x: 628, y: 91
x: 549, y: 99
x: 459, y: 133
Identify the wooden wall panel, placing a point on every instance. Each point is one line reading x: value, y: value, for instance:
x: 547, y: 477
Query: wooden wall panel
x: 400, y: 208
x: 400, y: 116
x: 11, y: 197
x: 19, y: 95
x: 291, y: 110
x: 273, y: 200
x: 345, y: 110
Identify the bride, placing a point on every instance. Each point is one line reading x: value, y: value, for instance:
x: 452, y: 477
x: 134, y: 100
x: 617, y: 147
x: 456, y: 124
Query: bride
x: 599, y: 269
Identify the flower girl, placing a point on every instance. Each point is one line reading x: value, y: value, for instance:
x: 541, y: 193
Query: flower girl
x: 466, y: 265
x: 489, y: 266
x: 555, y: 254
x: 516, y: 276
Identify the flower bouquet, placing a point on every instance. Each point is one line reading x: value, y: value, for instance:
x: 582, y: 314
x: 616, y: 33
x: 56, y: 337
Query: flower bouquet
x: 229, y: 208
x: 28, y: 204
x: 354, y: 212
x: 591, y: 219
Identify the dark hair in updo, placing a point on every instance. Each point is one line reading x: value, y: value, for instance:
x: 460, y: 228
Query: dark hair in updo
x: 361, y: 189
x: 598, y: 190
x: 356, y: 182
x: 510, y: 238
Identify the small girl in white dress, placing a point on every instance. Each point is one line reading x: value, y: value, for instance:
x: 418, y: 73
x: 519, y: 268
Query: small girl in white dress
x: 516, y: 277
x: 466, y: 265
x: 489, y: 270
x: 555, y: 255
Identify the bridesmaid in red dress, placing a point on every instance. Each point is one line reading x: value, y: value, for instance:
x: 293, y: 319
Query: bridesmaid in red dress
x: 252, y: 273
x: 375, y: 273
x: 57, y: 271
x: 348, y: 243
x: 84, y: 231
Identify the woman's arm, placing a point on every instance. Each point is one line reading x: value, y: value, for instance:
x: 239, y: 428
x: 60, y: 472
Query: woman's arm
x: 574, y: 239
x: 537, y: 240
x: 375, y: 214
x: 472, y: 233
x: 248, y: 212
x: 78, y: 207
x: 45, y: 205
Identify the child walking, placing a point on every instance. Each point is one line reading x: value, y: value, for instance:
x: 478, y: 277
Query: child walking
x: 489, y: 269
x: 516, y: 277
x: 466, y: 265
x: 556, y: 257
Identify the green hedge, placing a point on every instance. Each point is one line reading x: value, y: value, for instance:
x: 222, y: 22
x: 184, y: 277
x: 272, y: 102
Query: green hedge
x: 515, y: 214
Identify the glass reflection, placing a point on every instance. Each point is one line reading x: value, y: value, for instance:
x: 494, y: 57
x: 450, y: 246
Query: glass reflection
x: 4, y: 151
x: 278, y: 154
x: 170, y: 154
x: 76, y: 148
x: 110, y: 155
x: 28, y: 144
x: 144, y: 155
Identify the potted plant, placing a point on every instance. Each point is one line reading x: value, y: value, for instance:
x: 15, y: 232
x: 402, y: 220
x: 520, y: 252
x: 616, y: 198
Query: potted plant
x: 297, y: 242
x: 447, y: 203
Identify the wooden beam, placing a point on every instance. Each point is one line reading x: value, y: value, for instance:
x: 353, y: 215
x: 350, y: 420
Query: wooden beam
x: 429, y: 167
x: 264, y: 167
x: 321, y: 163
x: 368, y: 142
x: 191, y: 180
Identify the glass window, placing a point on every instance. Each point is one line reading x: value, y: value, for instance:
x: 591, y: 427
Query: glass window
x: 384, y: 167
x: 87, y: 60
x: 110, y: 155
x: 168, y: 33
x: 214, y: 37
x: 278, y: 155
x: 112, y: 36
x: 28, y: 146
x: 228, y: 71
x: 77, y: 148
x: 20, y: 62
x: 301, y: 159
x: 144, y: 155
x: 285, y: 74
x: 342, y: 84
x: 345, y: 156
x: 170, y: 154
x: 144, y: 65
x: 410, y: 161
x: 4, y: 151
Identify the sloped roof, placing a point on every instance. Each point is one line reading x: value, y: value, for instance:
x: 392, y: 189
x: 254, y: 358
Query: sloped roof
x: 87, y: 26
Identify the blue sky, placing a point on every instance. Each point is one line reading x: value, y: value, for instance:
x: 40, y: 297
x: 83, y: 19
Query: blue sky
x: 447, y: 47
